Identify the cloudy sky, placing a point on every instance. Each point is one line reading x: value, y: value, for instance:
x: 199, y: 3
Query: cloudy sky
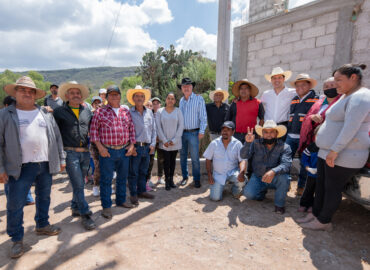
x: 55, y: 34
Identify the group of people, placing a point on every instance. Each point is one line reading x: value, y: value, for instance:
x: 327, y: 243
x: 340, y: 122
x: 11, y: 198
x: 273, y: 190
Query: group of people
x: 331, y: 133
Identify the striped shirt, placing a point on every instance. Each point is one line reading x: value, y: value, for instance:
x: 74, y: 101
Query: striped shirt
x: 194, y: 112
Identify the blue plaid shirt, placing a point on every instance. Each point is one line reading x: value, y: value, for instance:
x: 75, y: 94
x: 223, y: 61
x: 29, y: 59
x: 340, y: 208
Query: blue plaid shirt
x: 278, y: 159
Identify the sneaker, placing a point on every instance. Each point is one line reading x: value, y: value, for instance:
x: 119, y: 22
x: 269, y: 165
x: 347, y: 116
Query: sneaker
x: 96, y: 191
x: 48, y: 230
x: 161, y: 181
x: 148, y: 188
x: 17, y: 250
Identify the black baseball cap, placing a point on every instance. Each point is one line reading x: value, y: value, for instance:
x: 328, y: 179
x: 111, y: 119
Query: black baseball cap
x: 113, y: 88
x: 53, y: 85
x: 228, y: 124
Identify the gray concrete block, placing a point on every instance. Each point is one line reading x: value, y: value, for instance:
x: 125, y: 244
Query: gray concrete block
x: 283, y: 49
x: 282, y: 30
x: 263, y: 35
x: 304, y: 44
x: 323, y: 62
x: 325, y: 40
x: 271, y: 42
x: 328, y: 18
x: 301, y: 66
x: 273, y: 60
x: 314, y: 53
x: 291, y: 37
x: 313, y: 32
x: 305, y: 24
x: 255, y: 46
x: 331, y: 28
x: 329, y: 50
x: 268, y: 52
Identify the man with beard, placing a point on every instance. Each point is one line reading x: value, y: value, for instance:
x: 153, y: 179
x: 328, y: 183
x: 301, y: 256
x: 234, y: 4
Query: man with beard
x: 53, y: 101
x: 223, y: 163
x: 271, y: 162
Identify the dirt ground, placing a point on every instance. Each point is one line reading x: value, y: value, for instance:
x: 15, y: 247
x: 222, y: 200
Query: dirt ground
x: 183, y: 229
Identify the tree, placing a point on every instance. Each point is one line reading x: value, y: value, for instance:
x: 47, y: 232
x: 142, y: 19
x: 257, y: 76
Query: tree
x: 129, y: 83
x: 107, y: 83
x: 160, y: 70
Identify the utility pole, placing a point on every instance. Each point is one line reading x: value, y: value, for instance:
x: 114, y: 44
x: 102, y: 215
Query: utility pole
x: 223, y: 44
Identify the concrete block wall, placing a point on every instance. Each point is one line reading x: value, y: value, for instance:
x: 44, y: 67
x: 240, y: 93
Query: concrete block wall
x: 361, y: 41
x: 259, y: 10
x: 303, y: 46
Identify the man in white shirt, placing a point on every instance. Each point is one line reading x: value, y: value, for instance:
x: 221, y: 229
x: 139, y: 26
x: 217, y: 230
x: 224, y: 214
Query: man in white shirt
x: 277, y: 101
x: 224, y: 164
x: 31, y: 151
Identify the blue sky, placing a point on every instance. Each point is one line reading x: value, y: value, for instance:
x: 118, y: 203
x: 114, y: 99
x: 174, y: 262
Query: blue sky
x: 54, y: 34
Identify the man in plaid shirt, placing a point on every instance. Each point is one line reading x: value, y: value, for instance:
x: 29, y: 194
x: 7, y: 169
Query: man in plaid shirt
x: 113, y: 133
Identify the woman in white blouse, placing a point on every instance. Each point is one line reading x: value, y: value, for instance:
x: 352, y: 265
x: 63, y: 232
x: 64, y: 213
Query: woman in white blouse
x: 170, y: 125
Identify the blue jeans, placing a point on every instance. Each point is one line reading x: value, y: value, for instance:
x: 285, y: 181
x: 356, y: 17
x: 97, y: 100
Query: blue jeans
x: 190, y: 142
x: 256, y: 189
x: 77, y: 165
x: 116, y: 162
x: 29, y: 195
x: 17, y: 196
x: 138, y: 169
x: 217, y: 188
x: 294, y: 144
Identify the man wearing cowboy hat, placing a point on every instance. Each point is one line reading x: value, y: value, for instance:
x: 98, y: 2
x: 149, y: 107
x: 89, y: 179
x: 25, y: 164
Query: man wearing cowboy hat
x: 146, y: 139
x: 194, y: 111
x: 73, y: 120
x: 224, y: 164
x: 271, y: 162
x: 216, y: 112
x: 113, y: 133
x: 277, y: 100
x: 299, y: 107
x: 52, y: 101
x: 246, y: 109
x: 31, y: 151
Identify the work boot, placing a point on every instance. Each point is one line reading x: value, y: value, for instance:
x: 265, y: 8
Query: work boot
x: 76, y: 213
x: 17, y: 250
x: 168, y: 186
x: 134, y: 200
x: 172, y: 184
x: 107, y: 213
x: 125, y: 205
x: 48, y: 230
x: 197, y: 184
x: 279, y: 210
x: 87, y: 222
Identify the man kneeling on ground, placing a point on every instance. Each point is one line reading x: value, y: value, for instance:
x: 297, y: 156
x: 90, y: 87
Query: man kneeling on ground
x: 223, y: 163
x: 271, y: 162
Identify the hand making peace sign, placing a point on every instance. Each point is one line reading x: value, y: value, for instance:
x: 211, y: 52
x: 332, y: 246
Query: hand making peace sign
x: 249, y: 138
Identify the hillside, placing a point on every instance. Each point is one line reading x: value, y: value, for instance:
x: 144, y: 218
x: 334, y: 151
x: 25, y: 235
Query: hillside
x: 93, y: 77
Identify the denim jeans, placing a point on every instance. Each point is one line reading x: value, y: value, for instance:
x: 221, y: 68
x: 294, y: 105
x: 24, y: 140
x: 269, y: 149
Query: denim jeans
x: 256, y: 189
x: 294, y: 144
x: 119, y: 163
x: 17, y: 196
x: 217, y: 188
x: 138, y: 169
x: 29, y: 195
x: 190, y: 142
x: 77, y: 165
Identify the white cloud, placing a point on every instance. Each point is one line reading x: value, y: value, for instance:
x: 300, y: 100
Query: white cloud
x: 55, y: 34
x: 197, y: 39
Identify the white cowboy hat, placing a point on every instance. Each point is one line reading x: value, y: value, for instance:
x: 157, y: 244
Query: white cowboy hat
x: 25, y: 82
x: 102, y: 91
x: 219, y: 90
x: 235, y: 89
x: 138, y: 89
x: 73, y: 84
x: 279, y: 71
x: 304, y: 77
x: 281, y: 130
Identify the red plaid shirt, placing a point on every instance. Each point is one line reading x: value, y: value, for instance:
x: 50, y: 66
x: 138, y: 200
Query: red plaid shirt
x: 110, y: 129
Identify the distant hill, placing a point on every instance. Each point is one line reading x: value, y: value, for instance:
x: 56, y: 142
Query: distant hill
x: 93, y: 77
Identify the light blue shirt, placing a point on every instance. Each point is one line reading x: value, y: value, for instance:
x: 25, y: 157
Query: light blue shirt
x: 225, y: 161
x: 194, y: 112
x: 145, y: 130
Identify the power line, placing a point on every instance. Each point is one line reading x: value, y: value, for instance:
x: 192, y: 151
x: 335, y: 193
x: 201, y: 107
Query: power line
x: 111, y: 37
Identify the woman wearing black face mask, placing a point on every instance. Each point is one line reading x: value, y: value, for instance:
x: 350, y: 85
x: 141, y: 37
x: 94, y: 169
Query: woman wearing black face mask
x: 316, y: 115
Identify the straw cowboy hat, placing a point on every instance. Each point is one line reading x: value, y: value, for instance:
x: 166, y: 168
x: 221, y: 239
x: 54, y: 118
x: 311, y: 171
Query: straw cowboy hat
x: 138, y: 89
x: 64, y: 87
x: 219, y: 90
x: 278, y: 71
x: 235, y: 89
x: 25, y: 82
x: 281, y: 130
x: 304, y: 77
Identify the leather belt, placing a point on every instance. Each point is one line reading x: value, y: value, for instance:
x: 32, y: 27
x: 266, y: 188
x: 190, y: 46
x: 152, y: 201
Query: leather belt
x: 77, y: 149
x: 117, y: 147
x: 141, y: 144
x: 191, y: 130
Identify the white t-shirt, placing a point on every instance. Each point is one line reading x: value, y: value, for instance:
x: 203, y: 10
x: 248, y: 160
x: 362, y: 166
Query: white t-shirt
x: 33, y: 136
x: 277, y: 106
x: 116, y: 110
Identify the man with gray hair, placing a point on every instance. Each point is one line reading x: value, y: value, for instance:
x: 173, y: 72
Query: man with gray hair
x: 73, y: 120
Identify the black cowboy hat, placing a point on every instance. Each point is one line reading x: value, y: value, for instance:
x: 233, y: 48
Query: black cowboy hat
x: 186, y: 81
